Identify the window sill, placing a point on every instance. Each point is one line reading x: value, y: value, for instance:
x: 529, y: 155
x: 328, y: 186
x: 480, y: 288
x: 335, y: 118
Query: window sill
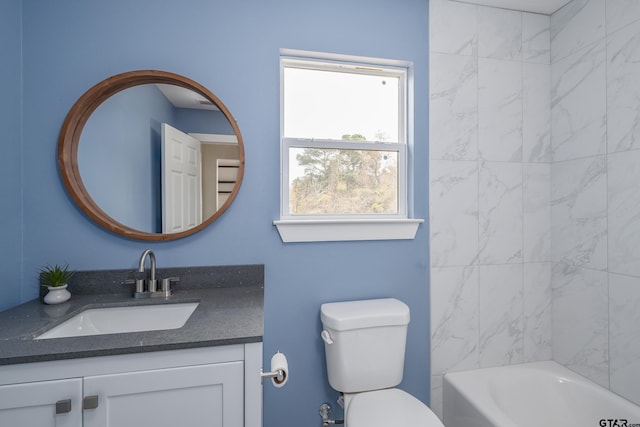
x: 347, y: 230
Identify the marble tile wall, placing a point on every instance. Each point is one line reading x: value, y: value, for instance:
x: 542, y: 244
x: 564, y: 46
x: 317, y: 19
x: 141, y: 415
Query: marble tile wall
x: 535, y: 189
x: 490, y: 198
x: 595, y: 202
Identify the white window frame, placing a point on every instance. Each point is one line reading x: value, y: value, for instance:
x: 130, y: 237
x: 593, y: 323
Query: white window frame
x: 330, y: 227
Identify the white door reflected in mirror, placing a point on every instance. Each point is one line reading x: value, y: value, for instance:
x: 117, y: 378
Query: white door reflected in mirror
x: 181, y: 180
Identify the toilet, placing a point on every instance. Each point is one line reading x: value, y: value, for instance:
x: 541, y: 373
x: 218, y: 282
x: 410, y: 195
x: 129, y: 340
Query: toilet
x: 364, y: 343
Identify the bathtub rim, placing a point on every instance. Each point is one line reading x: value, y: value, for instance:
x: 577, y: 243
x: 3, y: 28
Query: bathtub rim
x: 476, y: 396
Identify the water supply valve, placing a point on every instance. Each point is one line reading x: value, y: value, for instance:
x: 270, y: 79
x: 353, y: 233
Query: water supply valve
x: 325, y: 414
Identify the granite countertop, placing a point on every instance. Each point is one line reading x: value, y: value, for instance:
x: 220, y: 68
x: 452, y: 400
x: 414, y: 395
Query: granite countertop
x: 229, y: 312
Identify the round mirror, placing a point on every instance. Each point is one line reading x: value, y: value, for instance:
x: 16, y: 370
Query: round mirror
x: 151, y: 155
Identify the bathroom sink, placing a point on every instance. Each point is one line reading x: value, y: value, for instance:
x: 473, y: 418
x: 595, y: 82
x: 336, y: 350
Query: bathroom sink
x: 115, y: 320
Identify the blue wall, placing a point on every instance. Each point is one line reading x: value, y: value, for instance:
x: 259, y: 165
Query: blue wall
x: 202, y: 121
x: 10, y: 159
x: 232, y: 48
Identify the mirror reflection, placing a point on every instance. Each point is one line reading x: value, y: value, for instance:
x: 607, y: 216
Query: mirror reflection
x: 159, y: 158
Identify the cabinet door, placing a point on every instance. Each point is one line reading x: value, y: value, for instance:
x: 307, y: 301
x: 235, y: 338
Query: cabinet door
x: 193, y: 396
x: 42, y: 404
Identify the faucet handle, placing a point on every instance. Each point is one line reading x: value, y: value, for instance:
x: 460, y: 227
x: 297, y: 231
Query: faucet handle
x: 139, y: 290
x: 139, y: 286
x: 166, y: 283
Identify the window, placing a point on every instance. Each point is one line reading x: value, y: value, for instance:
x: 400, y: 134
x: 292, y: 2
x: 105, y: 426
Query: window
x: 343, y: 145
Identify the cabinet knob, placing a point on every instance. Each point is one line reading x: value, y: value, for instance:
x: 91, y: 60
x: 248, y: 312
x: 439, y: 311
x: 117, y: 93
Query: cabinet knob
x: 63, y: 406
x: 90, y: 402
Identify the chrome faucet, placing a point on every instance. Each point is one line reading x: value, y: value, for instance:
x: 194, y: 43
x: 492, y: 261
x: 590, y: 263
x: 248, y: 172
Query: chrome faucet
x: 152, y: 283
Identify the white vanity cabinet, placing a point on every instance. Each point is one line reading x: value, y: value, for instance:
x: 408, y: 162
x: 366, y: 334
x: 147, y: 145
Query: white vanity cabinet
x: 206, y: 395
x: 42, y: 404
x: 211, y: 386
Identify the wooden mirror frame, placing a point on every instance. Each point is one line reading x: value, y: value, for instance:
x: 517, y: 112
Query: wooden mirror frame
x: 70, y: 138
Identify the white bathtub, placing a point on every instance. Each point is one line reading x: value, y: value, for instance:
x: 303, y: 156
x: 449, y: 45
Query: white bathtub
x: 532, y: 395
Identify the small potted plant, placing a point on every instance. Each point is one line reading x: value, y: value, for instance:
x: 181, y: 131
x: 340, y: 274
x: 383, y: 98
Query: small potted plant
x: 55, y: 278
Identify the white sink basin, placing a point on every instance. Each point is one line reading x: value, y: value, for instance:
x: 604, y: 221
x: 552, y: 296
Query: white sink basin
x: 115, y: 320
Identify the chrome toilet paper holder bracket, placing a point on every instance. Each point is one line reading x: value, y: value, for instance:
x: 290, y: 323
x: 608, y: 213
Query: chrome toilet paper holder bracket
x: 278, y: 374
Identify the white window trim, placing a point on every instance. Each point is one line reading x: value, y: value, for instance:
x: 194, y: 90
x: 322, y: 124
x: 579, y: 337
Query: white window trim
x: 336, y: 230
x: 339, y: 228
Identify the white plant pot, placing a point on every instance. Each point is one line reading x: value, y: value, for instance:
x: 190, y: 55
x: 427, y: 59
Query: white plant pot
x: 57, y: 294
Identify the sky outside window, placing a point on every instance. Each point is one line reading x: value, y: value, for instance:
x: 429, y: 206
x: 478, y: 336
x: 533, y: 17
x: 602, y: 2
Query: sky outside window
x: 329, y: 104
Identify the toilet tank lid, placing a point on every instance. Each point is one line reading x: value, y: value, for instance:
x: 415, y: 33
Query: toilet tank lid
x: 347, y: 315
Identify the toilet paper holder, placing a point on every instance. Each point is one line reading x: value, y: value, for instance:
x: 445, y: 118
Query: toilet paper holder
x: 277, y: 375
x: 279, y: 370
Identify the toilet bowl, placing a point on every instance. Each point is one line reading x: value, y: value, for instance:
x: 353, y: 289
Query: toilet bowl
x: 390, y: 407
x: 365, y: 347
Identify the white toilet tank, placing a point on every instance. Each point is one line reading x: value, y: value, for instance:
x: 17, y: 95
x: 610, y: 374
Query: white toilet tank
x: 364, y: 343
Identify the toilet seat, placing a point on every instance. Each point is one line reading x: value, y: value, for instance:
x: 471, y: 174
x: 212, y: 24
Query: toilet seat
x: 390, y: 407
